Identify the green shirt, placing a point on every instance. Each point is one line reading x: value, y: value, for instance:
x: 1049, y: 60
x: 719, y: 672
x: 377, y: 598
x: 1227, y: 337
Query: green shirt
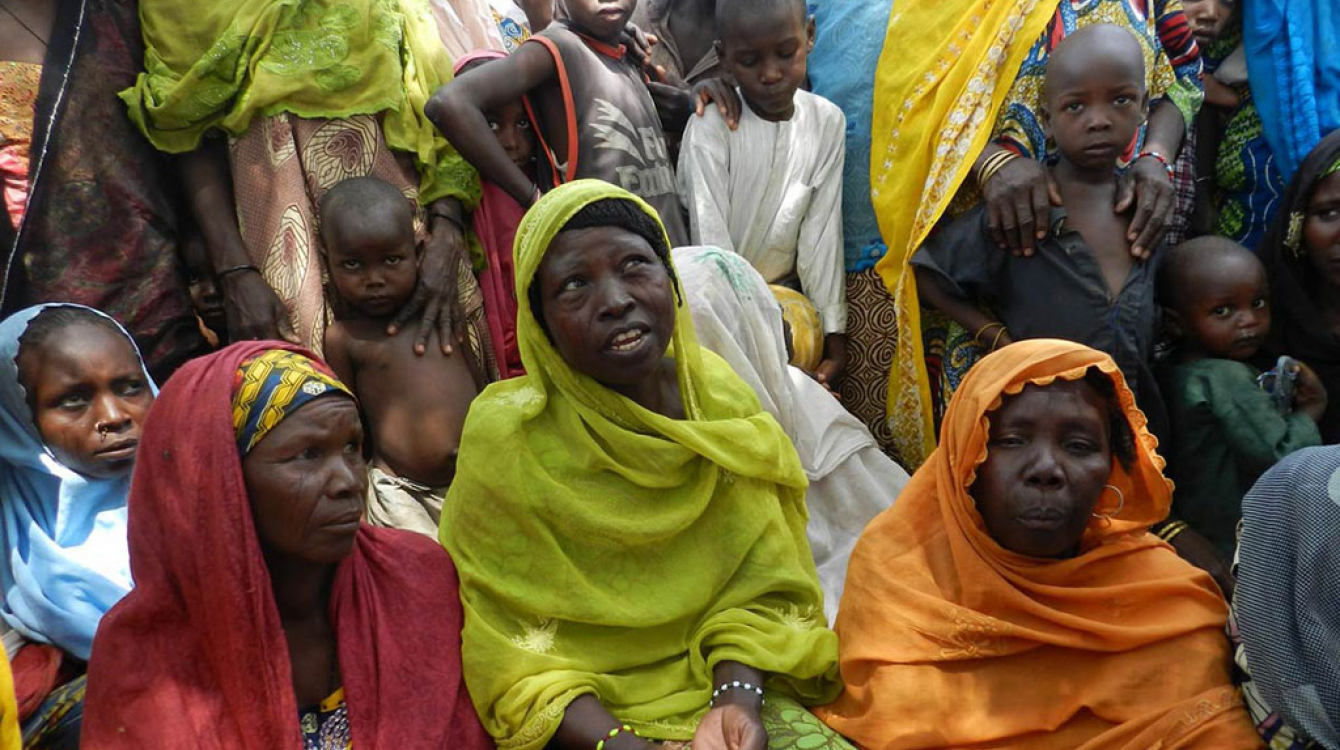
x: 1226, y: 433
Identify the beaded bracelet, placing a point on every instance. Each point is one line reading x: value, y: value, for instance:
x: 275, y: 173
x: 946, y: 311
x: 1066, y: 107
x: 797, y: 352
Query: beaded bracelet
x: 735, y: 685
x: 615, y: 732
x: 1160, y: 158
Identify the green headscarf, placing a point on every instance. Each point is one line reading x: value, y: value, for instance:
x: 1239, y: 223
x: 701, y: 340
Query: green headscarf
x: 607, y: 549
x: 219, y: 63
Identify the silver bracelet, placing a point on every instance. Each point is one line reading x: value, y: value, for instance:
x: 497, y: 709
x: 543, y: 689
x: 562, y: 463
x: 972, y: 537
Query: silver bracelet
x: 736, y: 685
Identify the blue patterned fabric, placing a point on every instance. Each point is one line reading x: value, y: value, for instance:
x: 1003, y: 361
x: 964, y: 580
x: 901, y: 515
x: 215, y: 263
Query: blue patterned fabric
x: 1294, y: 73
x: 848, y: 41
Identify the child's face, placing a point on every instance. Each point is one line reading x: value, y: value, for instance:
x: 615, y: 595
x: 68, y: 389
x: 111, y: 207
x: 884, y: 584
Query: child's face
x: 1225, y: 308
x: 203, y: 287
x: 1321, y: 230
x: 373, y: 267
x: 608, y: 303
x: 1094, y: 113
x: 1208, y: 18
x: 603, y: 19
x: 89, y: 396
x: 510, y: 123
x: 767, y: 56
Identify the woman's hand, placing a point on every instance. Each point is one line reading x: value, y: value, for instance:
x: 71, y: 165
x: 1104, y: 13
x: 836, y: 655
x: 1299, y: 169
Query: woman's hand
x: 719, y: 91
x: 435, y: 299
x: 834, y: 362
x: 1146, y: 185
x: 731, y: 727
x: 253, y: 310
x: 1019, y: 198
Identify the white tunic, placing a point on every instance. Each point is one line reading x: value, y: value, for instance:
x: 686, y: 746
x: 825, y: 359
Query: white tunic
x: 772, y: 192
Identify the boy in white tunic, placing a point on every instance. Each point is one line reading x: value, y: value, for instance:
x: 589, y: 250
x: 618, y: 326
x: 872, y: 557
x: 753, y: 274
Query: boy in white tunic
x: 771, y: 190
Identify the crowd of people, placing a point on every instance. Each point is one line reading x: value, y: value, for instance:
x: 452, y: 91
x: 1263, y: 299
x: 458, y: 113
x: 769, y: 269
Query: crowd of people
x: 711, y: 374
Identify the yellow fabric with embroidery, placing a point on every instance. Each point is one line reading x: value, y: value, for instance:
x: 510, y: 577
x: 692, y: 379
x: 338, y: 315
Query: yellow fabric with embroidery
x: 273, y: 386
x: 936, y: 98
x: 219, y: 63
x: 606, y: 549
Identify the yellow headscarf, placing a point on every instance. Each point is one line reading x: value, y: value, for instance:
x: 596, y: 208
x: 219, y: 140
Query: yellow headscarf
x: 10, y: 738
x: 610, y: 550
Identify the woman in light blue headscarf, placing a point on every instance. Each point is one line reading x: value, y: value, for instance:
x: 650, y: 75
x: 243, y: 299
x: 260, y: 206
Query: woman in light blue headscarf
x: 73, y: 395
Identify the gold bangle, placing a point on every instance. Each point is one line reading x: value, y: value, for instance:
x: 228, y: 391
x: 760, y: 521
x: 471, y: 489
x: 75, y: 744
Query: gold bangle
x: 1170, y: 532
x: 977, y: 337
x: 1000, y: 333
x: 994, y: 164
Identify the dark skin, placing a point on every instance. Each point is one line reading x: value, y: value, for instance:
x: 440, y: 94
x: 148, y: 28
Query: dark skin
x: 608, y: 303
x: 1019, y: 196
x: 25, y: 38
x: 254, y: 311
x: 306, y: 482
x: 1049, y: 454
x: 416, y: 405
x: 1321, y: 241
x: 1095, y: 103
x: 204, y: 288
x: 89, y: 397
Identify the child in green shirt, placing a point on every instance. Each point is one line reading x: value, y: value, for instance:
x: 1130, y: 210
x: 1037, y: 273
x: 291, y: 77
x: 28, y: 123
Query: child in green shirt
x: 1226, y: 429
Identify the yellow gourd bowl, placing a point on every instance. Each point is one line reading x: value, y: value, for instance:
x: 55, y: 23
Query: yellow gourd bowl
x: 807, y: 336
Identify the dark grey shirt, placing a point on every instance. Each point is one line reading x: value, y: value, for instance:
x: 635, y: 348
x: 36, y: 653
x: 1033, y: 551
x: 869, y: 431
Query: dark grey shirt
x: 1057, y: 293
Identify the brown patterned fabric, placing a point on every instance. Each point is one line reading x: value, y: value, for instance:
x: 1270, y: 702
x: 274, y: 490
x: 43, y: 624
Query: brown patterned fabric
x: 871, y: 322
x: 282, y: 167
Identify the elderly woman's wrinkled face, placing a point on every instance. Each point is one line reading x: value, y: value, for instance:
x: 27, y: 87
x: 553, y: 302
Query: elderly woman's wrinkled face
x: 89, y: 397
x: 1048, y: 456
x: 307, y: 481
x: 608, y: 303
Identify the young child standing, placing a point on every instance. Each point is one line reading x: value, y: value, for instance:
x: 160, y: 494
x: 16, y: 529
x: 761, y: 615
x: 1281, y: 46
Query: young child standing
x: 596, y: 117
x: 1226, y: 430
x: 415, y: 404
x: 1083, y: 284
x: 771, y: 190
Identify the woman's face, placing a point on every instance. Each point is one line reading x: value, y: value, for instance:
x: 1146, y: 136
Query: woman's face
x: 608, y: 303
x: 1048, y: 456
x: 1321, y: 230
x: 89, y: 396
x: 307, y: 481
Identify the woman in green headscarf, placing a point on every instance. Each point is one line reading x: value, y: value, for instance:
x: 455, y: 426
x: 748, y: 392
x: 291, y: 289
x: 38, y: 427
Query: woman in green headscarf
x: 628, y: 523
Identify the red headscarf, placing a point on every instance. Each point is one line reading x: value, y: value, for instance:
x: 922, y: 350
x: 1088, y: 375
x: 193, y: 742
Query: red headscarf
x: 195, y: 657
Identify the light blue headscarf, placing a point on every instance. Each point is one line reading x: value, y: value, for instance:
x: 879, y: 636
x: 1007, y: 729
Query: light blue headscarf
x: 1294, y: 73
x: 66, y: 561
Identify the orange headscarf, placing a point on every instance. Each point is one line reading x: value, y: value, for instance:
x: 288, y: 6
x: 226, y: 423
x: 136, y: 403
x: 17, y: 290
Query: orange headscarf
x: 949, y: 640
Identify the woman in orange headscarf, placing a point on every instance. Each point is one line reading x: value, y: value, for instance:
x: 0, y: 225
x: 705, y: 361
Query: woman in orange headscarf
x: 1013, y: 597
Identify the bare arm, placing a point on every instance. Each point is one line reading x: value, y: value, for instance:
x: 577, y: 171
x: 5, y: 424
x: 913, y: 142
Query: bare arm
x: 586, y: 722
x: 1147, y: 184
x: 458, y: 108
x: 254, y: 310
x: 336, y: 353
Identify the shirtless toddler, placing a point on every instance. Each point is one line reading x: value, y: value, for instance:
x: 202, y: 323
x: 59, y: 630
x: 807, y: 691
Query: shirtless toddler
x: 414, y: 403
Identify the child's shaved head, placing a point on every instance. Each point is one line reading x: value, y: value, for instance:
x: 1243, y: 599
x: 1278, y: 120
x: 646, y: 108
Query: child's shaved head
x: 729, y: 12
x: 363, y: 204
x: 1076, y: 55
x: 1184, y: 267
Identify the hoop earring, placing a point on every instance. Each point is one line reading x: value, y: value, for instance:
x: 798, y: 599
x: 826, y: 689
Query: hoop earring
x: 1121, y: 503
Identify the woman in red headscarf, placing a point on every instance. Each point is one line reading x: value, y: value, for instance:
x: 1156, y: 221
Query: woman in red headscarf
x: 266, y: 615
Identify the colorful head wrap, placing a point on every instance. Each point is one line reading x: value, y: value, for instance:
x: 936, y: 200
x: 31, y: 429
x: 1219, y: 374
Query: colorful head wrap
x: 271, y: 387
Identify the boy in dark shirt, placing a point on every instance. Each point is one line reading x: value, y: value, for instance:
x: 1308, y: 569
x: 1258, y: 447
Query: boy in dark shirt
x: 595, y: 115
x: 415, y: 404
x: 1083, y: 285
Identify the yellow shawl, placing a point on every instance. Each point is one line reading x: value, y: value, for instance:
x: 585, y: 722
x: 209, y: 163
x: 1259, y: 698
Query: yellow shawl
x: 605, y: 549
x: 219, y: 63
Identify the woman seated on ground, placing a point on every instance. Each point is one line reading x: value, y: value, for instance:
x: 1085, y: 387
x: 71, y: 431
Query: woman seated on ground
x: 1013, y: 596
x: 73, y: 394
x: 1286, y: 608
x: 851, y: 480
x: 266, y: 614
x: 629, y: 524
